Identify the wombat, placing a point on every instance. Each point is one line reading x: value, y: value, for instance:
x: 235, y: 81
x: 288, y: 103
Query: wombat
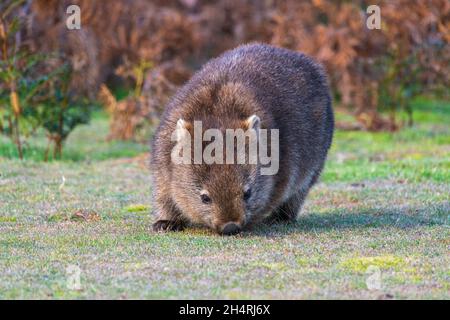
x: 256, y: 87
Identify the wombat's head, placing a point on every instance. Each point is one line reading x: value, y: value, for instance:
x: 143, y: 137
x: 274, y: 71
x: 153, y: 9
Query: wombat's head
x: 224, y: 196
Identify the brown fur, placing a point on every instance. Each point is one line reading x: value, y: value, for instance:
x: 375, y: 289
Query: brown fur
x: 287, y: 91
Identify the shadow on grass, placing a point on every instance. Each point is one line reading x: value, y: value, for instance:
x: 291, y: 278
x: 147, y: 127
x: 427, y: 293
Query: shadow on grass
x: 411, y: 217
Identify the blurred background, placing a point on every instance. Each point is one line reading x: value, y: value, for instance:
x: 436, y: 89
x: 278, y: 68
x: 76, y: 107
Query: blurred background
x: 119, y: 69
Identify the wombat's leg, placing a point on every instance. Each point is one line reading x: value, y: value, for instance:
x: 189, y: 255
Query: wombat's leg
x: 288, y: 211
x: 169, y: 217
x: 168, y: 225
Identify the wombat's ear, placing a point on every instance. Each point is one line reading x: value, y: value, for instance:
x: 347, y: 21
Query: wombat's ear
x: 253, y: 122
x: 181, y: 130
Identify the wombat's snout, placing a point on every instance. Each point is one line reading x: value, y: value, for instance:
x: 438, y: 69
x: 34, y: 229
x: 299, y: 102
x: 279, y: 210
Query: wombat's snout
x: 230, y: 228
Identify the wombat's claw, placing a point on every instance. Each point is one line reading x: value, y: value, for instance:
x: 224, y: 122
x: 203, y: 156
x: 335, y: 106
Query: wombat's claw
x: 167, y: 225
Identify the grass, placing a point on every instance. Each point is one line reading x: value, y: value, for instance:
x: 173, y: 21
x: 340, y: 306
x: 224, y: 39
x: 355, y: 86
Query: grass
x: 383, y: 202
x: 361, y: 264
x: 86, y: 143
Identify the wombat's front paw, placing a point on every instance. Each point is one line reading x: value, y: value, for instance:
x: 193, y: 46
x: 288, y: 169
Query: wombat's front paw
x: 167, y: 225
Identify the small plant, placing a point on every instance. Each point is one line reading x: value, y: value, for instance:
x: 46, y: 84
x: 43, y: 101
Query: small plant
x: 10, y: 76
x: 128, y: 115
x: 60, y: 111
x: 34, y: 88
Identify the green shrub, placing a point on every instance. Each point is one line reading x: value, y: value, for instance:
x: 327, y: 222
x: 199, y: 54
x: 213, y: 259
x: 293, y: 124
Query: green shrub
x: 34, y: 89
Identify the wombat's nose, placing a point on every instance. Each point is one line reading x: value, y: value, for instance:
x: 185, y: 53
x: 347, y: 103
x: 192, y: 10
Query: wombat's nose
x: 230, y: 228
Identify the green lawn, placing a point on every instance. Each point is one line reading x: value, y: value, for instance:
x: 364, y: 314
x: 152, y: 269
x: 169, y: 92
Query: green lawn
x: 376, y: 226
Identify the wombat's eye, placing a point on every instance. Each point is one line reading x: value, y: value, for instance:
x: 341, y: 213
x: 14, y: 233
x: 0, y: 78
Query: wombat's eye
x: 247, y: 194
x: 205, y: 199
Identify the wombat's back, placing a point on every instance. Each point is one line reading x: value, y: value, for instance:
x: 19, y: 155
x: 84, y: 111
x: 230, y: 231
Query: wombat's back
x: 293, y: 90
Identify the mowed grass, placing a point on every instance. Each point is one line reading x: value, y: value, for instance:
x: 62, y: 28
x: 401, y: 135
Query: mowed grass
x: 376, y: 226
